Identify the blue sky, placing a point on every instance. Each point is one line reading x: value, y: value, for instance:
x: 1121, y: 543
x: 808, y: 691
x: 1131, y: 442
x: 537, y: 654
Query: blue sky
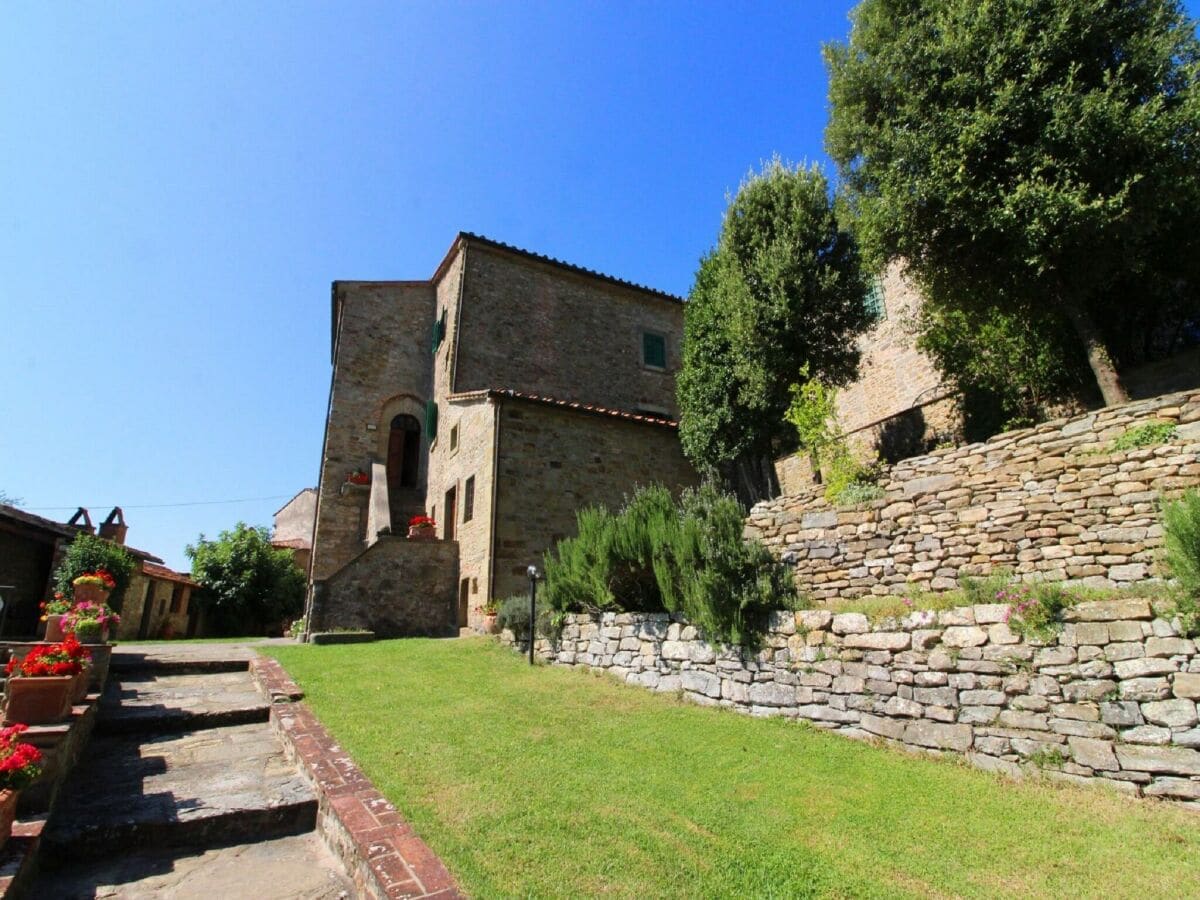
x: 180, y: 183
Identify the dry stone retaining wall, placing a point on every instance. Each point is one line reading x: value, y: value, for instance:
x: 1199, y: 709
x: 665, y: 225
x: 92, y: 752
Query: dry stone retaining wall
x: 1052, y: 503
x: 1112, y: 699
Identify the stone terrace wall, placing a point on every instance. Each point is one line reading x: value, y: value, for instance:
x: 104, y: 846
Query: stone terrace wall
x: 1049, y: 503
x: 1112, y: 698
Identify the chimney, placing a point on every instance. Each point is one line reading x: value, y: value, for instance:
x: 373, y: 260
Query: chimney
x: 82, y: 521
x: 114, y: 528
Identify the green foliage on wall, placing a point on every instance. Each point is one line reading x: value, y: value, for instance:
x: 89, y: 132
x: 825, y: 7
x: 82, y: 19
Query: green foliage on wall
x: 813, y: 413
x: 247, y: 586
x: 1181, y: 538
x: 86, y: 553
x: 655, y: 556
x: 781, y: 290
x: 1035, y: 157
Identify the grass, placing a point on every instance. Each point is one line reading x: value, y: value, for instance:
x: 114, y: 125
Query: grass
x: 984, y: 589
x: 550, y: 782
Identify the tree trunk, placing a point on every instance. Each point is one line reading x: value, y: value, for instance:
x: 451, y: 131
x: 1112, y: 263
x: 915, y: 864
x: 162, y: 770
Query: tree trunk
x: 1101, y: 363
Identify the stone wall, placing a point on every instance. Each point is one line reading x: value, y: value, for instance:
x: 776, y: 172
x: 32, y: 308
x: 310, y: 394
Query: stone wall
x: 1051, y: 503
x: 532, y: 325
x: 553, y: 461
x: 1112, y: 699
x: 894, y: 376
x: 396, y: 588
x: 381, y: 351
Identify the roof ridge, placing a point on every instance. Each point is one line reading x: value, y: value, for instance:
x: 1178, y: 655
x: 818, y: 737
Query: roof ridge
x: 584, y: 270
x: 576, y: 405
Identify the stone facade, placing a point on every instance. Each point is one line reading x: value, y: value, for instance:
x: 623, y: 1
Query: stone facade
x: 396, y: 588
x: 1111, y: 700
x: 157, y: 604
x: 576, y: 461
x: 894, y: 376
x: 293, y: 528
x: 498, y: 338
x: 1051, y: 503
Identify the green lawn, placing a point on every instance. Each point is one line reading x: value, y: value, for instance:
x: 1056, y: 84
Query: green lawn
x: 551, y: 782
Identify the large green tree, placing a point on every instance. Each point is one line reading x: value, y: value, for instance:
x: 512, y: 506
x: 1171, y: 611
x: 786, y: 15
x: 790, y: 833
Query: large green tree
x: 248, y: 586
x: 782, y: 290
x: 1038, y: 157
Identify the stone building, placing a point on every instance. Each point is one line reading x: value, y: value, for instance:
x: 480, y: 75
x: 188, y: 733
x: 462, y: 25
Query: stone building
x: 294, y: 527
x: 498, y: 397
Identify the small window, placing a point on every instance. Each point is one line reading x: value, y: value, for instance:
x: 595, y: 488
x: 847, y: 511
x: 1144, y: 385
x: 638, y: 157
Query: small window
x: 439, y: 331
x: 453, y: 438
x: 873, y: 300
x: 469, y: 499
x: 654, y: 350
x: 431, y: 416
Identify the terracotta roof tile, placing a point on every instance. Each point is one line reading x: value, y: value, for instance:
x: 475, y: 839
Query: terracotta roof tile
x: 575, y: 405
x: 292, y: 544
x: 164, y: 574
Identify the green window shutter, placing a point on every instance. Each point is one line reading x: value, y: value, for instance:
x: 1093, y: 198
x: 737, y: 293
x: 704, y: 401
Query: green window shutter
x: 654, y: 350
x: 439, y: 331
x: 431, y: 416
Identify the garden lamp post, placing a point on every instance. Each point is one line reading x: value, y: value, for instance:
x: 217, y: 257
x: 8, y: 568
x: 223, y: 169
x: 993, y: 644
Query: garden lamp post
x: 533, y: 580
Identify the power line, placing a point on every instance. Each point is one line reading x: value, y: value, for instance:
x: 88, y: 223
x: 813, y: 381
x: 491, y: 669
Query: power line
x: 155, y: 505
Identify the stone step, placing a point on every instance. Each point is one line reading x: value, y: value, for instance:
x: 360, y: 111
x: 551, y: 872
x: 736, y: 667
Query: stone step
x: 284, y: 868
x: 157, y: 702
x: 126, y: 663
x: 203, y: 789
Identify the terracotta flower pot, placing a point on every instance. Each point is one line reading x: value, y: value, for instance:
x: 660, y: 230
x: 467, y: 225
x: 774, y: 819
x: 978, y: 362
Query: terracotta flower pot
x: 54, y: 632
x: 8, y: 814
x: 38, y: 700
x: 490, y: 626
x: 95, y: 593
x: 79, y: 687
x: 422, y: 533
x: 89, y: 636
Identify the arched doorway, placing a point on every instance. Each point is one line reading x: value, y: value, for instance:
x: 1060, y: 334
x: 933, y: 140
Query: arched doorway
x: 403, y: 463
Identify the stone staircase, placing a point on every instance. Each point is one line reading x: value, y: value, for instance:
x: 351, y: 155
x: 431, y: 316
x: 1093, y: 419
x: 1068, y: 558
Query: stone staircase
x: 185, y: 783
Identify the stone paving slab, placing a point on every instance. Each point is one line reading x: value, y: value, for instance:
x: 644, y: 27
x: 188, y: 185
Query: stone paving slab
x: 220, y: 785
x: 299, y: 867
x: 173, y: 702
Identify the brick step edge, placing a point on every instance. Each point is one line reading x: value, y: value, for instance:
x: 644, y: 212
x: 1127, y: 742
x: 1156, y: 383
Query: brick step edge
x: 383, y: 855
x: 168, y: 721
x: 63, y: 847
x: 18, y: 859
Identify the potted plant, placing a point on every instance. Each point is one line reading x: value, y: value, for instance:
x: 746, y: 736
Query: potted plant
x: 422, y: 528
x: 20, y: 765
x: 52, y: 615
x: 489, y: 611
x: 358, y: 476
x: 40, y: 684
x: 93, y: 586
x: 90, y: 622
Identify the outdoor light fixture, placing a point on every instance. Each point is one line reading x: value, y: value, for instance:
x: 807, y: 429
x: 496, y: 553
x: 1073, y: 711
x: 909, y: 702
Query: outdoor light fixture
x: 533, y: 580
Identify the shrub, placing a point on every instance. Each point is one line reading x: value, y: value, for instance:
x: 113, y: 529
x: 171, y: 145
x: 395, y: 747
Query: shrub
x: 1181, y: 537
x: 87, y: 553
x: 1035, y: 610
x: 513, y: 614
x: 1150, y: 435
x: 655, y: 555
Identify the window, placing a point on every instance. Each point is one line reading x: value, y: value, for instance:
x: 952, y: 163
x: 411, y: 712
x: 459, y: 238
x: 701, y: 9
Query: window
x: 654, y: 350
x: 469, y: 499
x: 431, y: 420
x: 453, y: 438
x: 439, y: 331
x: 873, y: 300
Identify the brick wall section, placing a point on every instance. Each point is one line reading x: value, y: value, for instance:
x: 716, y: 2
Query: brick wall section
x: 529, y: 325
x: 552, y: 462
x: 382, y: 349
x: 1110, y: 700
x: 473, y: 458
x: 382, y: 854
x: 1051, y: 503
x: 396, y: 588
x: 893, y: 376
